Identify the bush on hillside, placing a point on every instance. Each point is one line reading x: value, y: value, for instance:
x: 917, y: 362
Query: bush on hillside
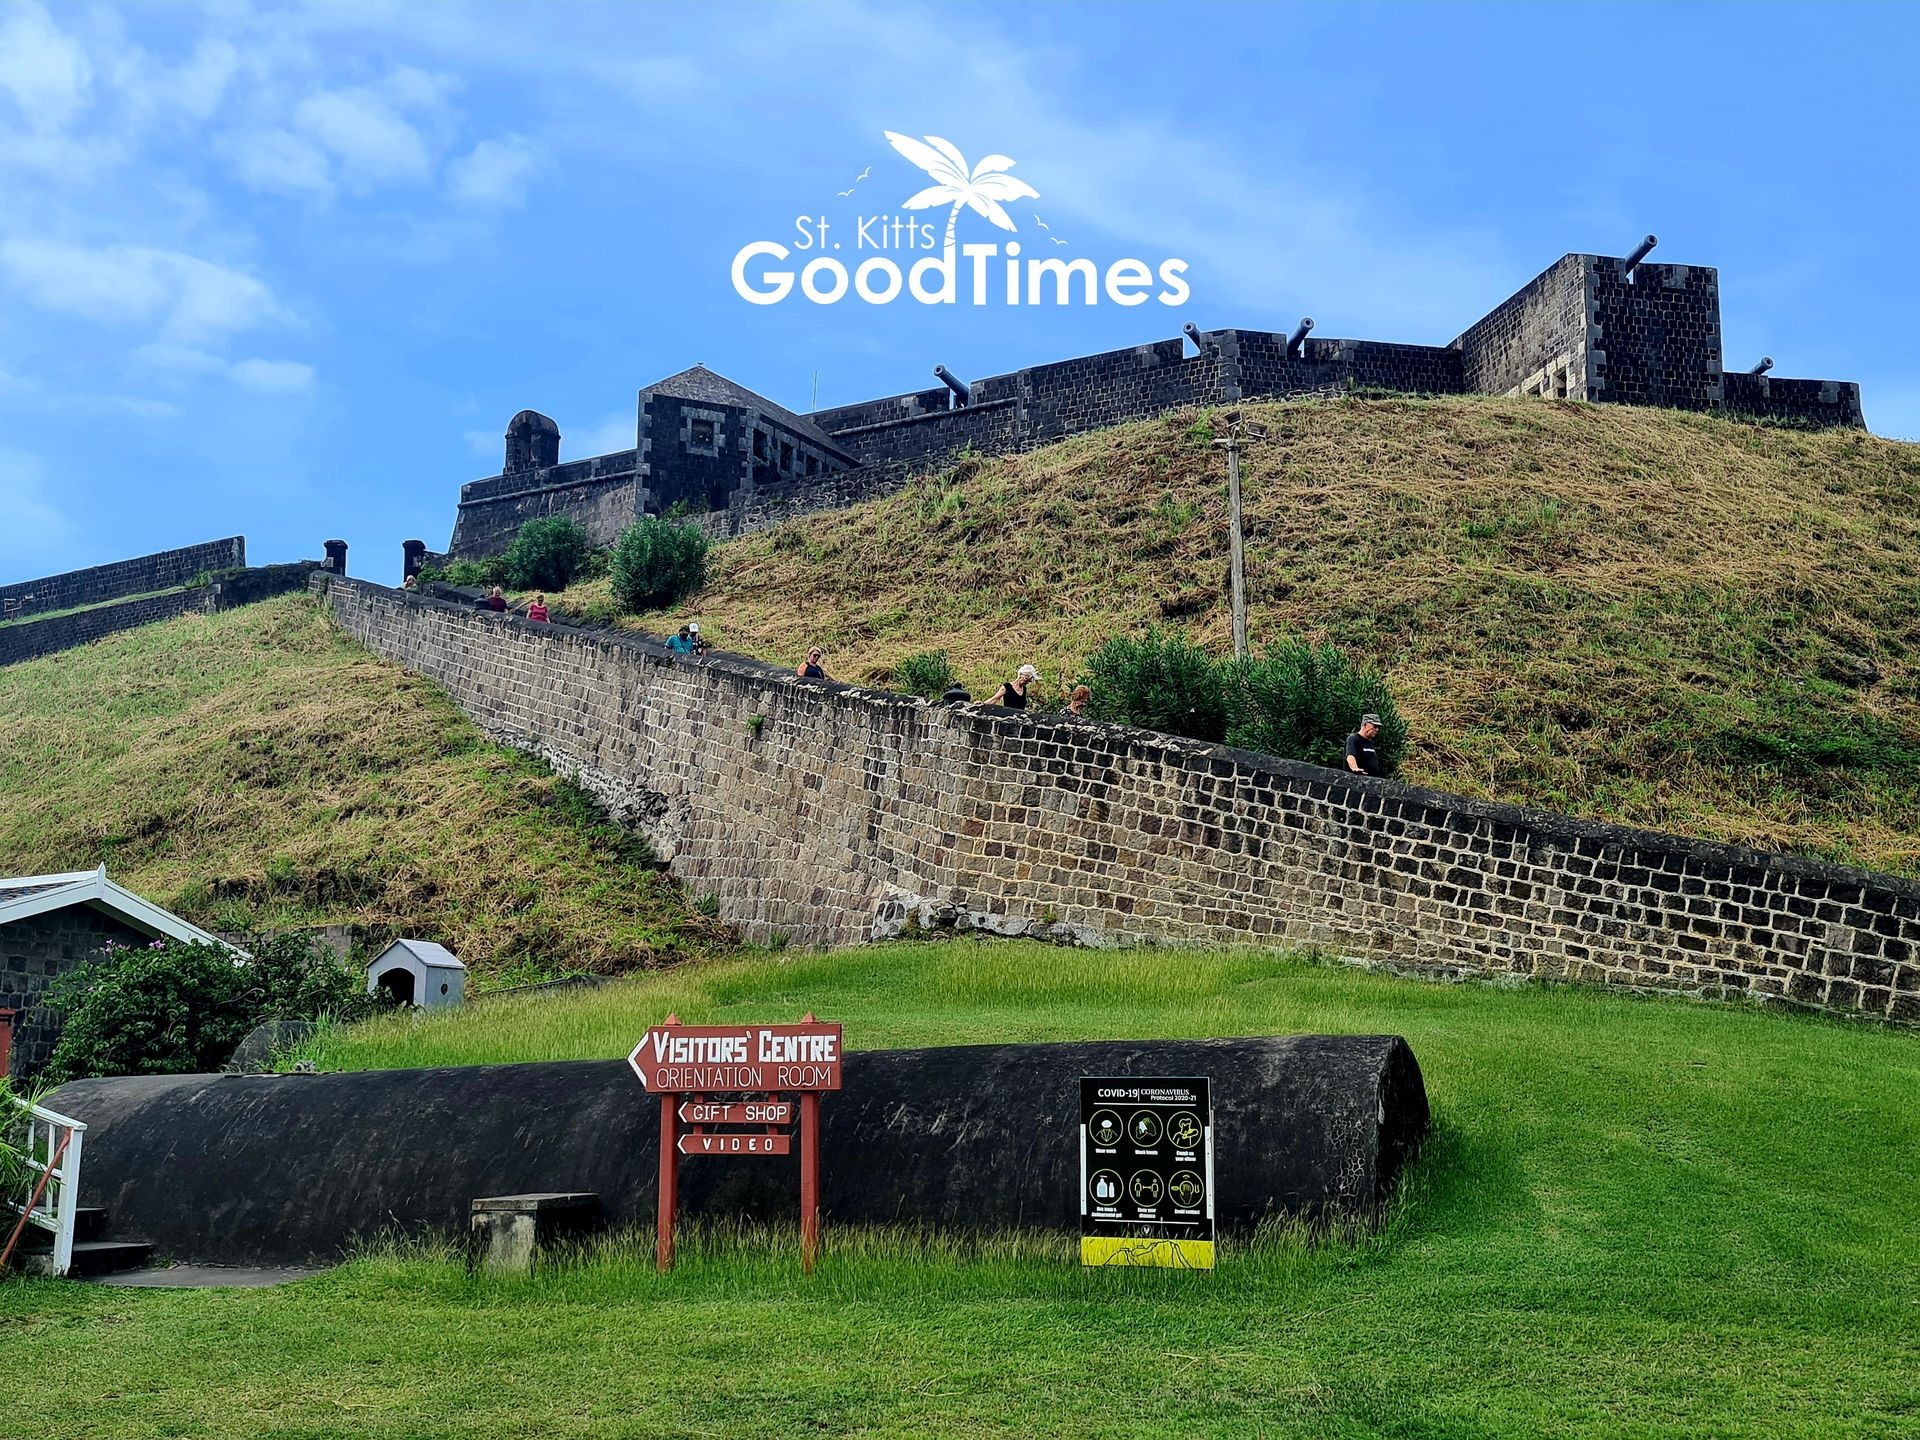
x: 927, y: 674
x: 177, y: 1008
x: 1301, y: 701
x: 658, y: 562
x: 1160, y: 681
x: 473, y: 573
x: 547, y: 553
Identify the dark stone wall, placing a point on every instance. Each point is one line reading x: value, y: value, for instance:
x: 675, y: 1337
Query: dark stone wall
x: 1098, y: 390
x: 602, y: 493
x: 1656, y: 334
x: 1541, y: 327
x: 25, y: 639
x: 1819, y: 403
x: 841, y: 814
x: 33, y: 952
x: 160, y: 571
x: 977, y: 1137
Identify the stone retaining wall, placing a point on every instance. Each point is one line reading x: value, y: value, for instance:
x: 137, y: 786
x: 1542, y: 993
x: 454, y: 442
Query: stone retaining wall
x: 835, y: 815
x: 94, y: 586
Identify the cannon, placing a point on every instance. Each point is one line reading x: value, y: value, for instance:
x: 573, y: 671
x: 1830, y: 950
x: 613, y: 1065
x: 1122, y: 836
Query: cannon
x: 1192, y: 332
x: 962, y: 392
x: 1640, y: 252
x: 1766, y: 364
x: 1298, y: 338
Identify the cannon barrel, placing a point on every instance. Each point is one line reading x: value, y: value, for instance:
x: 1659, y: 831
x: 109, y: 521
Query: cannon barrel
x: 1766, y: 364
x: 1640, y: 251
x: 1299, y: 336
x: 962, y: 391
x: 1192, y: 332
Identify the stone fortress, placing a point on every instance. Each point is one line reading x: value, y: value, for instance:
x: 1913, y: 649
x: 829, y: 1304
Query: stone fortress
x: 1589, y: 327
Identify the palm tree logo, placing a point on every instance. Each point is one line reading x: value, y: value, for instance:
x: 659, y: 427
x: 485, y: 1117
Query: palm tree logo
x: 980, y: 189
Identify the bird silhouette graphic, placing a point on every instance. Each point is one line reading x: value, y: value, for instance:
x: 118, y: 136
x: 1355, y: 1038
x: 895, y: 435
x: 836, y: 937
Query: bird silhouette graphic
x: 863, y: 175
x: 1056, y: 240
x: 1041, y: 223
x: 843, y: 193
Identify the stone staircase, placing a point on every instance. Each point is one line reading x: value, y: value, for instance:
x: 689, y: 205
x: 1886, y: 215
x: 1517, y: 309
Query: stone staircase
x: 93, y: 1253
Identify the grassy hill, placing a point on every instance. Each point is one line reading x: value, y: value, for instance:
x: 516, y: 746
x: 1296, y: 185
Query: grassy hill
x: 1635, y: 1217
x: 1673, y: 620
x: 258, y: 769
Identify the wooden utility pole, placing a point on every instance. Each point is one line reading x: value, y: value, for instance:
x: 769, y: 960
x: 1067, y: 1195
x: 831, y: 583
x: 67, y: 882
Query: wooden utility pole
x: 1236, y: 436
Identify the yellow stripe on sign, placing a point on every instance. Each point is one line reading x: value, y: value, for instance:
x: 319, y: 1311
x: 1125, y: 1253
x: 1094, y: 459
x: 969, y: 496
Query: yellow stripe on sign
x: 1129, y: 1250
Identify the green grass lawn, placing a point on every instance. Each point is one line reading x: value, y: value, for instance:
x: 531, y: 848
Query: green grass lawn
x: 1636, y: 1217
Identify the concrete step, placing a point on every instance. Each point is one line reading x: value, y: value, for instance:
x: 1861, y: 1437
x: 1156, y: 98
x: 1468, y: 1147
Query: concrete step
x: 90, y: 1257
x: 90, y: 1222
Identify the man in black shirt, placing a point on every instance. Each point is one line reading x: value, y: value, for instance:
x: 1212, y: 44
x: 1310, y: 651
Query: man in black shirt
x: 1363, y: 754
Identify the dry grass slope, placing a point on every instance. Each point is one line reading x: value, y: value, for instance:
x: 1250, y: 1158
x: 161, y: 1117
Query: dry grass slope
x: 1672, y: 620
x: 257, y: 768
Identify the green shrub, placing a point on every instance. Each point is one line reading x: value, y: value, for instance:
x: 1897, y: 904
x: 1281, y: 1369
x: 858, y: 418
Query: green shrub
x: 927, y: 674
x: 1301, y: 701
x: 547, y: 553
x: 173, y: 1008
x: 1161, y: 681
x: 480, y: 573
x: 657, y: 562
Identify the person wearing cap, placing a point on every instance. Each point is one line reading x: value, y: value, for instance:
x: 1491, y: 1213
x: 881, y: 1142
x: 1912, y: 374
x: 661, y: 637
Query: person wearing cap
x: 684, y: 642
x: 1013, y: 694
x: 699, y: 644
x: 1363, y: 754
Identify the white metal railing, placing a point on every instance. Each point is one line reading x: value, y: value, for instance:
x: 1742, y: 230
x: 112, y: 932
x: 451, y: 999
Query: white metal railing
x: 52, y: 1201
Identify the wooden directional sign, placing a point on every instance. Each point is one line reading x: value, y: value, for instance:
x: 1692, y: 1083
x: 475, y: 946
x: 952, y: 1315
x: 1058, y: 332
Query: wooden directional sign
x: 736, y: 1143
x: 735, y: 1112
x: 738, y: 1059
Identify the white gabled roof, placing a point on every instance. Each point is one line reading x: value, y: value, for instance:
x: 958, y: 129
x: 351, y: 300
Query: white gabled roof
x: 31, y: 895
x: 434, y: 957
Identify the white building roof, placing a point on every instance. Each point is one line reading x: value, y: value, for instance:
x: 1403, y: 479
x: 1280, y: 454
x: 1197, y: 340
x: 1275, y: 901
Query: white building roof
x: 434, y: 957
x: 30, y: 895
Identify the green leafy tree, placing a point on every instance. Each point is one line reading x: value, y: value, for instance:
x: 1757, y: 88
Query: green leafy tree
x: 547, y: 553
x: 1301, y: 701
x: 658, y: 562
x: 173, y: 1007
x: 1159, y: 681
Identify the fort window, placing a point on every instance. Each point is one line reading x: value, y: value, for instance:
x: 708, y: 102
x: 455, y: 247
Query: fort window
x: 760, y: 445
x: 813, y: 465
x: 786, y: 458
x: 701, y: 434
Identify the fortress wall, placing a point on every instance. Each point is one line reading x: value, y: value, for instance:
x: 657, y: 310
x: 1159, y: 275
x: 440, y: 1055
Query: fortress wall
x: 1093, y: 391
x: 602, y: 493
x: 26, y: 639
x: 99, y: 583
x: 841, y: 814
x: 1658, y: 340
x: 1549, y: 316
x: 1812, y: 402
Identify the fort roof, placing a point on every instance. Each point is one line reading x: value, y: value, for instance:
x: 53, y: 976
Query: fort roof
x: 702, y: 386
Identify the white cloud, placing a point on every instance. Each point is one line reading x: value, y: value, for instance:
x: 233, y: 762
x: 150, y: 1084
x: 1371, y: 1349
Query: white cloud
x: 370, y: 139
x: 494, y: 172
x: 193, y: 299
x: 29, y: 521
x: 44, y: 71
x: 278, y: 160
x: 272, y: 377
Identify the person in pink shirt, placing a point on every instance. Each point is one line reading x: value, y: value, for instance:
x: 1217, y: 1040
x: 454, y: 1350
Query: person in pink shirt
x: 537, y: 608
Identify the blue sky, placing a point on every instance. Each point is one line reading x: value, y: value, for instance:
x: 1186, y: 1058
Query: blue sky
x: 287, y: 270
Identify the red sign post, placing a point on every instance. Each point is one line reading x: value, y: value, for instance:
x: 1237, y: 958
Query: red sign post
x: 753, y: 1065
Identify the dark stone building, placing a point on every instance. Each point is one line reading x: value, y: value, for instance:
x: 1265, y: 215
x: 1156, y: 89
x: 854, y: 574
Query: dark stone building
x: 1589, y: 327
x: 50, y: 925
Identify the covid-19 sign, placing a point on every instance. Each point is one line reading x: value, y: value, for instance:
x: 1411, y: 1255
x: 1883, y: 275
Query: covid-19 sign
x: 1146, y: 1173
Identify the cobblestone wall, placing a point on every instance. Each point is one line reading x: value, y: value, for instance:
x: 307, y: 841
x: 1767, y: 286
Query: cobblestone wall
x: 25, y: 639
x: 33, y: 952
x: 100, y: 583
x: 835, y: 814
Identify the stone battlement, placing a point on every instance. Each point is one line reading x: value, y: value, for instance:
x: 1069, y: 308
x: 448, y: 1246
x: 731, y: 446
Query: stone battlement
x: 1588, y: 327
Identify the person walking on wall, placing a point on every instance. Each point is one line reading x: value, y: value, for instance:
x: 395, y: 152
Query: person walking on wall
x: 537, y: 608
x: 497, y: 602
x: 1013, y: 694
x: 813, y: 669
x: 1363, y: 751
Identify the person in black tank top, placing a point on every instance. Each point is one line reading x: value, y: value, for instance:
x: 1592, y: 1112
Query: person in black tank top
x: 812, y: 669
x: 1013, y: 694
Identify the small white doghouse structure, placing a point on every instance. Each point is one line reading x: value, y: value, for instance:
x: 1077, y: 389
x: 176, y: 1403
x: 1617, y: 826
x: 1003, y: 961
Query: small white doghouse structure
x: 418, y: 973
